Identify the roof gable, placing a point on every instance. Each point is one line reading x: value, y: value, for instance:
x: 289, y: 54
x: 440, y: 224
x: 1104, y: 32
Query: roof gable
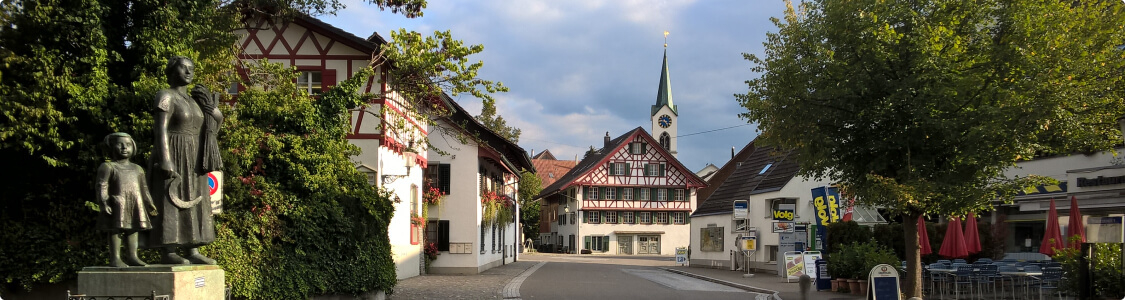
x: 747, y: 175
x: 584, y: 170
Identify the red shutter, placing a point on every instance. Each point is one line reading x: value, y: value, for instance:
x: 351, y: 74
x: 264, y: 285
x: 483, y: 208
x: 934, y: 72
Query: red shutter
x: 328, y: 79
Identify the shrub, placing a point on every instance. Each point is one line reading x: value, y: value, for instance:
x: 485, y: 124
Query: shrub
x: 855, y: 260
x: 1105, y: 271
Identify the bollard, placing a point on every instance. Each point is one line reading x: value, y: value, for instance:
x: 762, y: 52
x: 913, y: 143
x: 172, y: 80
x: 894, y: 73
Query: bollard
x: 805, y: 282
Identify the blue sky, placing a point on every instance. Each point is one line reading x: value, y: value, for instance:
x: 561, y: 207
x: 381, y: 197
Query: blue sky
x: 577, y: 69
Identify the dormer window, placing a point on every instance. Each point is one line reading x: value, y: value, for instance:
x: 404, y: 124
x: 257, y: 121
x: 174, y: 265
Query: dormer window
x: 637, y: 148
x: 767, y: 168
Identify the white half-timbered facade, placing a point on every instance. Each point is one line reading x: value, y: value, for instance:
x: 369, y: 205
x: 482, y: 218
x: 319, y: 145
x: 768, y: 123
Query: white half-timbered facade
x: 391, y: 156
x: 631, y: 197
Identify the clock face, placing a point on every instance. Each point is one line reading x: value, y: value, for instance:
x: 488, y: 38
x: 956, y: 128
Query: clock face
x: 665, y: 121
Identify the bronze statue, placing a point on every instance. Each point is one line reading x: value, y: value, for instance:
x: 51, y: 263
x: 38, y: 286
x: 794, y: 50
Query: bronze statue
x: 183, y: 153
x: 124, y: 198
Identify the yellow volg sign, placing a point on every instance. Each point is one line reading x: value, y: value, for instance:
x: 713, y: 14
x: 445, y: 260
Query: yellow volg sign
x: 784, y: 212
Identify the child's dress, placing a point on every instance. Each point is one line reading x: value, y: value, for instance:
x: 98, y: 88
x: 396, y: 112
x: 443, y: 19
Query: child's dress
x: 127, y: 190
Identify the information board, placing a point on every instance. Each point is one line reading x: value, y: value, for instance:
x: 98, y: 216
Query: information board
x: 794, y: 265
x: 810, y: 258
x: 883, y: 283
x: 741, y: 209
x: 681, y: 255
x: 823, y: 279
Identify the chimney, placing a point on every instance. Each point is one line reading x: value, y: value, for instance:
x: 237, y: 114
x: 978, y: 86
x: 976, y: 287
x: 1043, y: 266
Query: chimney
x: 731, y: 152
x: 606, y: 140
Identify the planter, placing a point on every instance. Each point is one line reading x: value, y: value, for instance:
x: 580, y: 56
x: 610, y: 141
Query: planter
x: 853, y: 285
x: 843, y: 285
x: 862, y: 287
x: 835, y: 285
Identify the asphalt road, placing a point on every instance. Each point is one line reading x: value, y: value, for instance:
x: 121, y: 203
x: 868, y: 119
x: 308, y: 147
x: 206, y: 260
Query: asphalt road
x: 618, y: 277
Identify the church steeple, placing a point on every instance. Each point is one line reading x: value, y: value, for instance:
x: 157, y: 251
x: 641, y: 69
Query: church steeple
x: 664, y: 93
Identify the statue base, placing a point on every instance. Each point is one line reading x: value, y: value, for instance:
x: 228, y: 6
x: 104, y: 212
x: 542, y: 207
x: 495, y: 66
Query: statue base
x: 177, y: 281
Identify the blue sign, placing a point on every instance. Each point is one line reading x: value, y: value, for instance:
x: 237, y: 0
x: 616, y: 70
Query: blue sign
x: 823, y: 280
x: 883, y: 283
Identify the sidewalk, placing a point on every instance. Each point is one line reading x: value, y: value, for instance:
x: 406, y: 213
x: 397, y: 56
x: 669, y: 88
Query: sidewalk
x: 762, y: 283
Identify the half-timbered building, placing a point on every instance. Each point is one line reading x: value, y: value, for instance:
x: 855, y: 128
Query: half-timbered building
x: 630, y: 197
x: 391, y: 159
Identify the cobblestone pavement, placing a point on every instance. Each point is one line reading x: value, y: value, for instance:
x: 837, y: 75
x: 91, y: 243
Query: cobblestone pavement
x: 486, y: 285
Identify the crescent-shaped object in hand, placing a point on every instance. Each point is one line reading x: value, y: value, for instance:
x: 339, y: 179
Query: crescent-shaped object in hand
x: 173, y: 185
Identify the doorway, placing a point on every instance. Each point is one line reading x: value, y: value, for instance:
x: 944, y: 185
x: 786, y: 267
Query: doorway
x: 625, y: 244
x: 648, y: 244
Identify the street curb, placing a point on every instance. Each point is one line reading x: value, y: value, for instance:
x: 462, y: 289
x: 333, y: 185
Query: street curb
x: 726, y: 283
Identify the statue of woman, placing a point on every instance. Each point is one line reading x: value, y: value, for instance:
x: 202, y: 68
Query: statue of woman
x: 178, y: 177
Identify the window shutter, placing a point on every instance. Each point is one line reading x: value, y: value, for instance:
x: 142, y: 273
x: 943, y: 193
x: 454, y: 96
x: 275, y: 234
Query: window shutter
x: 587, y: 238
x: 621, y: 193
x: 652, y: 194
x: 628, y: 170
x: 327, y: 79
x: 602, y: 195
x: 605, y: 243
x: 630, y: 148
x: 644, y: 148
x: 583, y: 217
x: 609, y: 168
x: 443, y: 235
x: 661, y: 169
x: 443, y: 177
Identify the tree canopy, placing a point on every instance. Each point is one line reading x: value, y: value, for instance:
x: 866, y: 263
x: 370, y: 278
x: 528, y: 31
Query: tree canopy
x: 72, y: 71
x: 919, y: 106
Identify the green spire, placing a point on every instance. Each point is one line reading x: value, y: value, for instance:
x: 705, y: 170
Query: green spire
x: 664, y: 94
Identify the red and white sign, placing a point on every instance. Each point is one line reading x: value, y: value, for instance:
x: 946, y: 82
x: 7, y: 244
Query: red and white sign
x: 215, y: 188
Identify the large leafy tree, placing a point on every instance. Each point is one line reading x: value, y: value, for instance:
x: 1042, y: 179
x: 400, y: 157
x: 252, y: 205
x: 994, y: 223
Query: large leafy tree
x: 919, y: 106
x: 530, y: 185
x: 72, y: 71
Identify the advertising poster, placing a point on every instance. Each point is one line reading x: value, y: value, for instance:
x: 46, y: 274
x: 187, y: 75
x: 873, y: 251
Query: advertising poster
x: 794, y: 265
x: 810, y: 258
x: 826, y: 205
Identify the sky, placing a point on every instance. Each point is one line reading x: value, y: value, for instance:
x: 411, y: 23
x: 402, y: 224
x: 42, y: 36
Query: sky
x: 577, y: 69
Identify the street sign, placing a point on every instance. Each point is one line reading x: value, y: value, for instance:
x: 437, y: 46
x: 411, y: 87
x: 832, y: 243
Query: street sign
x: 681, y: 255
x: 215, y: 189
x: 741, y: 209
x: 748, y: 243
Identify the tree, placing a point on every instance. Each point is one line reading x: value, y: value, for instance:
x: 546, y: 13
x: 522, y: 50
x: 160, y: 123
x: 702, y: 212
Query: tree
x: 919, y: 106
x: 530, y: 185
x: 72, y: 71
x: 495, y: 122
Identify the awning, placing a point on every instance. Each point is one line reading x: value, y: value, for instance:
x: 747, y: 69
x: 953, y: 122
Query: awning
x: 867, y: 215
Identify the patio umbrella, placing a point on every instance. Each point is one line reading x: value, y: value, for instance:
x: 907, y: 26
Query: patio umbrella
x: 1076, y: 226
x: 954, y: 244
x: 972, y: 237
x: 923, y: 238
x: 1052, y: 238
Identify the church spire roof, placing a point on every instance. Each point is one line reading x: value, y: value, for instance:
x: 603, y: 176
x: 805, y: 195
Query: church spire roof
x: 664, y: 93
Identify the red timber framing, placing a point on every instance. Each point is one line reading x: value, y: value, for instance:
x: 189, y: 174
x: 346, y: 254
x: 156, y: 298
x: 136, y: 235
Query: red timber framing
x: 675, y: 175
x: 637, y: 205
x: 311, y: 45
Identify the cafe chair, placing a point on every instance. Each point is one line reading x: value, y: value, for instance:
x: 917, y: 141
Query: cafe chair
x: 1050, y: 281
x: 963, y: 276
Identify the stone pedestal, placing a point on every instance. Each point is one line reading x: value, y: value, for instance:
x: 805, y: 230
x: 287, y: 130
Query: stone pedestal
x: 181, y: 282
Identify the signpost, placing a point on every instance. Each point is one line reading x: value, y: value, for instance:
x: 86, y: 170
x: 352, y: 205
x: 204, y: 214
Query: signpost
x: 681, y: 255
x: 741, y: 209
x: 748, y: 245
x: 883, y: 283
x: 215, y: 189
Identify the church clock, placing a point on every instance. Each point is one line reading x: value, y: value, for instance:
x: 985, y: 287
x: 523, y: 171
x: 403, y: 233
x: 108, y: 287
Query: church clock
x: 665, y: 121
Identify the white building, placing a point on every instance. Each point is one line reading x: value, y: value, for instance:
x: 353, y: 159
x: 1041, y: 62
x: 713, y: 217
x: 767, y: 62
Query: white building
x: 325, y: 55
x: 476, y: 161
x: 767, y: 179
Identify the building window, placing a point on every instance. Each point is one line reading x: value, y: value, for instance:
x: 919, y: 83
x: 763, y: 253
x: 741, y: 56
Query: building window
x: 661, y: 194
x: 661, y: 218
x: 573, y: 217
x: 637, y: 148
x: 654, y: 170
x: 626, y: 217
x: 593, y: 217
x: 371, y: 176
x: 310, y: 81
x: 627, y: 194
x: 679, y: 194
x: 437, y: 232
x: 771, y: 253
x: 562, y: 220
x: 493, y: 238
x: 611, y: 217
x: 232, y: 88
x: 599, y: 243
x: 482, y: 233
x: 645, y: 218
x: 592, y: 193
x: 438, y: 175
x: 618, y: 168
x: 644, y: 194
x: 666, y: 141
x: 767, y: 168
x: 610, y: 193
x: 679, y: 218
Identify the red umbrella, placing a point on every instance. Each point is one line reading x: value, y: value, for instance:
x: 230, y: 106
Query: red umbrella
x: 923, y: 238
x: 954, y: 244
x: 1052, y: 238
x: 1076, y: 226
x: 972, y: 237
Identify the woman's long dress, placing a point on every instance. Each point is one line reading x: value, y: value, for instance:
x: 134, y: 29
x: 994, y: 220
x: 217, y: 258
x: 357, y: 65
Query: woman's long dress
x: 193, y: 226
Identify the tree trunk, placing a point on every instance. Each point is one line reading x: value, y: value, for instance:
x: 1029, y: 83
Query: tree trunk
x: 913, y: 278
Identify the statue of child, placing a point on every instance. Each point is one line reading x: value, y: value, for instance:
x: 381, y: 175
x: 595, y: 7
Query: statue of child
x: 124, y: 196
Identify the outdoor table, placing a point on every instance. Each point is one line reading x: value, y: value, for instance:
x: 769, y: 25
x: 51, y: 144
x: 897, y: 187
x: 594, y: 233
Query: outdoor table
x: 1022, y: 275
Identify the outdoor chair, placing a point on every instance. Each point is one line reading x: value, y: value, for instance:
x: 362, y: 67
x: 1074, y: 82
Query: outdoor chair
x: 1050, y: 281
x: 1053, y: 264
x: 985, y: 275
x: 983, y: 261
x: 944, y: 261
x: 938, y: 279
x: 963, y: 276
x: 1031, y: 281
x: 960, y: 261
